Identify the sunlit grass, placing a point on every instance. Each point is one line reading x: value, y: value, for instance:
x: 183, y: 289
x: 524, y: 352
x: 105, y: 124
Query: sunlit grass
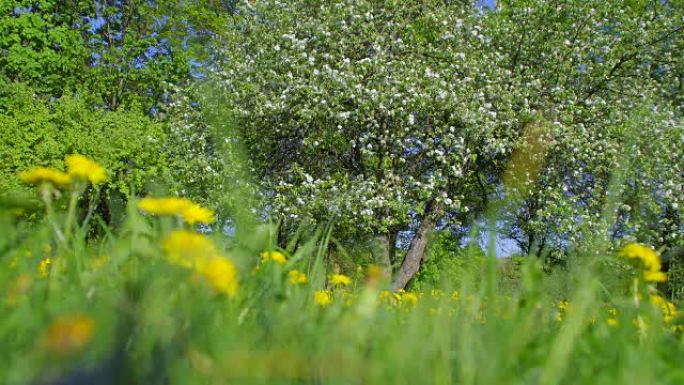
x: 156, y: 299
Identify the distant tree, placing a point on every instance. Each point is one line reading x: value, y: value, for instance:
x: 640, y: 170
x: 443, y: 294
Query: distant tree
x: 42, y: 45
x: 109, y: 79
x: 116, y: 53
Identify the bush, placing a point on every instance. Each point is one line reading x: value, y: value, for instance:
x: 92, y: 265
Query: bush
x: 448, y: 262
x: 38, y: 132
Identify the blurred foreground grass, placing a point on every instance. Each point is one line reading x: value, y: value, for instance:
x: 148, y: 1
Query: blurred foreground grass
x: 157, y: 301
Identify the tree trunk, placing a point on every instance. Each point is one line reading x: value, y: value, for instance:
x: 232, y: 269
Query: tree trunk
x: 416, y: 251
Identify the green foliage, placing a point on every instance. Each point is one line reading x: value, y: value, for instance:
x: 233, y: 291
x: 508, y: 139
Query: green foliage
x: 448, y: 263
x: 116, y: 54
x: 39, y: 46
x: 39, y: 132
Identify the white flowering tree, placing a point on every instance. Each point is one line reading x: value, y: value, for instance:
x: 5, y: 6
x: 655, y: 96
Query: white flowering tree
x: 394, y: 115
x: 374, y: 114
x: 609, y: 77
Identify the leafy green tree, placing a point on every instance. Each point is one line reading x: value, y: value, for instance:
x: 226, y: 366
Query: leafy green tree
x: 115, y: 53
x: 37, y: 132
x: 106, y: 78
x: 39, y: 45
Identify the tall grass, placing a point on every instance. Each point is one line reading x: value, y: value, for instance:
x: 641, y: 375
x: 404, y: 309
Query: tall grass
x: 149, y: 321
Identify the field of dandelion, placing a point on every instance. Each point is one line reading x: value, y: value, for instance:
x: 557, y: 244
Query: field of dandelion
x: 159, y: 299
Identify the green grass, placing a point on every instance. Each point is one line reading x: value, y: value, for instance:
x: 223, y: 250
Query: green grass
x: 156, y: 323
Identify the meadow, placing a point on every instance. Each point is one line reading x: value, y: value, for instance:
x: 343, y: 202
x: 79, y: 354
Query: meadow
x: 341, y: 192
x: 160, y: 300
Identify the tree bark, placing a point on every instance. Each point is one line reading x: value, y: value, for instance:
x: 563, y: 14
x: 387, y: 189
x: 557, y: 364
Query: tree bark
x: 416, y: 251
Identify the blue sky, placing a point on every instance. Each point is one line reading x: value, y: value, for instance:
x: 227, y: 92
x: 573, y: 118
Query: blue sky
x: 487, y: 3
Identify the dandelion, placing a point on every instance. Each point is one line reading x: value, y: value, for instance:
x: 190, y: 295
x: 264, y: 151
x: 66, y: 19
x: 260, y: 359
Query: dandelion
x: 668, y: 309
x: 44, y: 267
x: 323, y: 298
x: 164, y: 206
x: 339, y: 279
x: 68, y: 334
x: 563, y: 310
x: 190, y: 212
x: 655, y: 276
x: 81, y: 167
x: 645, y: 254
x: 409, y: 298
x: 221, y: 273
x: 188, y: 249
x: 197, y: 252
x: 649, y: 260
x: 296, y: 277
x: 40, y: 175
x: 197, y: 214
x: 612, y: 317
x: 275, y: 256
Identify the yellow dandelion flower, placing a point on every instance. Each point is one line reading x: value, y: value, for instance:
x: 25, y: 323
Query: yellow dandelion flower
x: 339, y: 279
x: 197, y: 252
x: 190, y: 212
x: 44, y: 267
x: 648, y: 257
x: 188, y: 249
x: 82, y: 167
x: 396, y: 297
x: 164, y: 206
x: 197, y: 214
x: 563, y: 309
x: 296, y: 277
x: 275, y: 256
x: 655, y: 276
x: 668, y: 308
x: 409, y: 298
x: 384, y: 295
x: 323, y: 298
x: 39, y: 175
x: 221, y: 273
x: 612, y: 317
x: 68, y: 333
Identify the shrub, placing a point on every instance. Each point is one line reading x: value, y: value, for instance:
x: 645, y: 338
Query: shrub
x: 41, y: 132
